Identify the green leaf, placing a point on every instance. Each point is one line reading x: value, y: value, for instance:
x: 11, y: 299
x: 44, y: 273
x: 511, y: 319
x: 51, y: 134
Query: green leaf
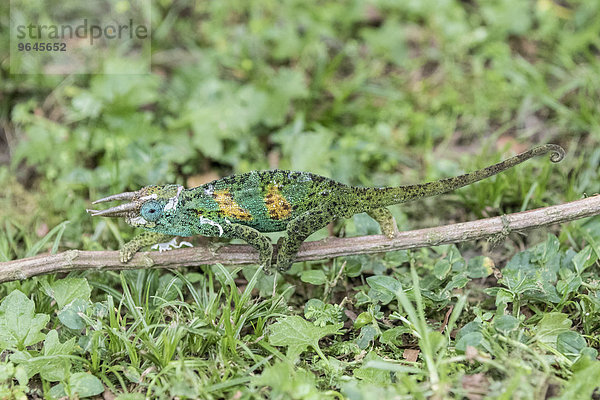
x: 383, y: 288
x: 370, y: 374
x: 506, y: 324
x: 64, y: 291
x: 393, y: 336
x: 19, y: 325
x: 583, y: 383
x: 458, y: 281
x: 56, y: 368
x: 570, y: 343
x: 314, y: 277
x: 441, y: 269
x: 503, y: 297
x: 287, y: 382
x: 480, y: 267
x: 474, y: 339
x: 298, y: 334
x: 367, y: 335
x: 547, y: 250
x: 85, y: 385
x: 552, y: 325
x: 584, y: 259
x: 69, y: 315
x: 54, y: 364
x: 363, y: 319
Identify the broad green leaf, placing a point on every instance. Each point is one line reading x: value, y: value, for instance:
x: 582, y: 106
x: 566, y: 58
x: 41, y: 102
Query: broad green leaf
x: 367, y: 335
x: 570, y: 343
x: 506, y: 324
x: 480, y: 267
x: 383, y: 288
x: 20, y: 326
x: 53, y: 346
x: 470, y: 339
x: 584, y: 259
x: 363, y: 319
x: 550, y: 326
x: 53, y: 364
x: 472, y: 326
x: 458, y: 281
x: 8, y: 372
x: 441, y: 268
x: 66, y: 290
x: 69, y: 315
x: 85, y: 385
x: 314, y: 277
x: 298, y: 334
x: 80, y: 384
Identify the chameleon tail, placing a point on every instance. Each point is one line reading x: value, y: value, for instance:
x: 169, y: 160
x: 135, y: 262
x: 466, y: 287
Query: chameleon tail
x: 373, y: 198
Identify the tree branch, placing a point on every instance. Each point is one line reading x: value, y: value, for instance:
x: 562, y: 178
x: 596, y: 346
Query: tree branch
x: 76, y: 260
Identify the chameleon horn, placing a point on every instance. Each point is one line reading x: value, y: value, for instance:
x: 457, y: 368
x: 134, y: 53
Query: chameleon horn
x: 119, y: 196
x: 114, y: 211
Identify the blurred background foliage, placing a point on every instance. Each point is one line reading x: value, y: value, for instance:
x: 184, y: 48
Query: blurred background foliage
x: 368, y: 92
x: 376, y: 92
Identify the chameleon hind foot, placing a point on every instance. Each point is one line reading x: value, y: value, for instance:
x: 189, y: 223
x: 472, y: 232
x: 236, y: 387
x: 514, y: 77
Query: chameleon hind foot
x: 297, y: 231
x: 386, y: 221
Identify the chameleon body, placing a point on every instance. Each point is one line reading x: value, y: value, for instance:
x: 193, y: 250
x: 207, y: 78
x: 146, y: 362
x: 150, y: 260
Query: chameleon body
x: 246, y: 205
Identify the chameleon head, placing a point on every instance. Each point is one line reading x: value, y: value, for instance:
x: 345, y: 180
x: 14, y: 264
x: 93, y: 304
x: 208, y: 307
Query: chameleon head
x: 148, y: 207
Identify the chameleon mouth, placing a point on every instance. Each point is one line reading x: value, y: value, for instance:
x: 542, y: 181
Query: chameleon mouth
x: 117, y: 211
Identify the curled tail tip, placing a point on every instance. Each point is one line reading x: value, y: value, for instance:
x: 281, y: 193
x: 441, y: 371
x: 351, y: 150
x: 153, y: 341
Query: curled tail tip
x: 558, y: 153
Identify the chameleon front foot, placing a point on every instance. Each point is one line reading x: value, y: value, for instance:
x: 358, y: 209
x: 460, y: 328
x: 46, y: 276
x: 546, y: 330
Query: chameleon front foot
x: 143, y: 239
x: 257, y: 240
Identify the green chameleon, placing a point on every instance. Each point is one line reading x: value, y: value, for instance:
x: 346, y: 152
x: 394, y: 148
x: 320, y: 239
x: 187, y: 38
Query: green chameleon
x: 246, y: 205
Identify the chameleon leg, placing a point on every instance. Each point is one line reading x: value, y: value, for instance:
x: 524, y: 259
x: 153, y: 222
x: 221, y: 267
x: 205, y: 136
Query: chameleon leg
x: 386, y: 221
x: 143, y: 239
x: 257, y: 240
x: 297, y: 231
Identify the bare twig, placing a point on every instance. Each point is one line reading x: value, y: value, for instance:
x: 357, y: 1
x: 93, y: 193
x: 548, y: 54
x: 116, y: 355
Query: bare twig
x: 76, y: 260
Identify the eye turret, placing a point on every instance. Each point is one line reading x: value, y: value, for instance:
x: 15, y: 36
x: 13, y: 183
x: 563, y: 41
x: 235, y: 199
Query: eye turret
x: 151, y: 210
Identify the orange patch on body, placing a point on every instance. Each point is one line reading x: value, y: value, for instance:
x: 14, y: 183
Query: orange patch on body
x: 229, y: 207
x: 277, y: 206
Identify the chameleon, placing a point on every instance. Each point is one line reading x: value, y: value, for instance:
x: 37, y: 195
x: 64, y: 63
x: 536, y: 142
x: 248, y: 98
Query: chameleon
x: 247, y: 205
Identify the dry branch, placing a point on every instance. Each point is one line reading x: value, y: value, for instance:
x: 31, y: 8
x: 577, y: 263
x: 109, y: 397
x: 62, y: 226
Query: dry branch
x: 76, y: 260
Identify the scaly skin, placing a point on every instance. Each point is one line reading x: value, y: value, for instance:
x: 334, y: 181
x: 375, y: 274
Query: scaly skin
x: 246, y: 205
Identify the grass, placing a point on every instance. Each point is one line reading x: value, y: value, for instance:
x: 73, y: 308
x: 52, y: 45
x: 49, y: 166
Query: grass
x: 383, y: 93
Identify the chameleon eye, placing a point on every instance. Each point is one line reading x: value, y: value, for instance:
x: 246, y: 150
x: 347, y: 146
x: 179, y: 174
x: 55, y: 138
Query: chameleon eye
x: 151, y: 210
